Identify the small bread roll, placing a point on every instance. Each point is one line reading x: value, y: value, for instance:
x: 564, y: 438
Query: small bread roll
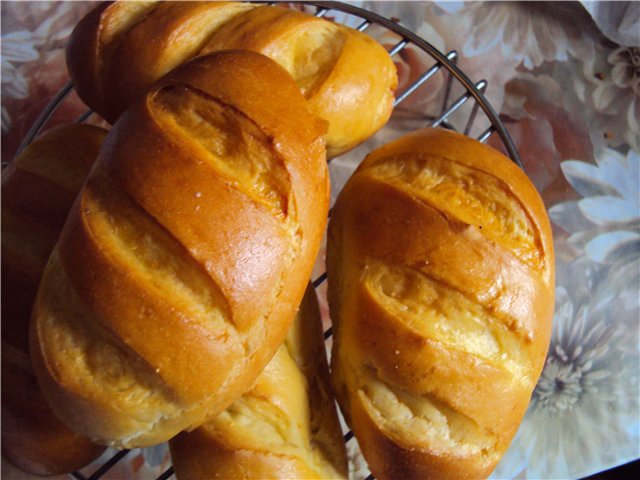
x: 118, y: 50
x: 183, y: 262
x: 285, y: 427
x: 38, y: 189
x: 441, y: 287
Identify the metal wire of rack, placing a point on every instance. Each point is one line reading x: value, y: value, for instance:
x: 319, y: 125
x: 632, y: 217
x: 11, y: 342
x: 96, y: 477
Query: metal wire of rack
x: 406, y: 38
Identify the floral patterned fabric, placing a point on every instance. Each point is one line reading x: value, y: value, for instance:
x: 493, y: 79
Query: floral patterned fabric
x: 565, y: 80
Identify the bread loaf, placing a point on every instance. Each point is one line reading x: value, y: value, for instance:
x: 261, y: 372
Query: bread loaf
x: 285, y: 427
x: 441, y: 287
x: 183, y: 262
x: 38, y: 189
x: 120, y: 48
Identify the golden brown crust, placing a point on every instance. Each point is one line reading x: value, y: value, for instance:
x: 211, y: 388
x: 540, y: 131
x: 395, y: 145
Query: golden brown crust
x: 119, y: 50
x: 348, y: 78
x: 186, y: 255
x: 33, y: 439
x: 91, y: 46
x: 441, y: 277
x: 286, y: 426
x: 38, y: 189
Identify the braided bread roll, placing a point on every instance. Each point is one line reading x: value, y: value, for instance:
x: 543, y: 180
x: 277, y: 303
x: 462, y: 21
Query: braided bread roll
x: 441, y: 287
x: 184, y: 260
x: 121, y: 48
x: 38, y: 189
x: 285, y: 427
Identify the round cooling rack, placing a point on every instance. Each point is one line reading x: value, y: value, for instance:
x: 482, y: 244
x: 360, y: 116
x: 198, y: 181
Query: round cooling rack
x: 455, y: 102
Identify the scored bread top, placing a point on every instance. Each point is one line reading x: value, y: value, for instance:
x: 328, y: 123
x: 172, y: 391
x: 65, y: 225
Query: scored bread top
x: 441, y: 277
x: 187, y: 253
x: 285, y: 426
x: 119, y: 49
x: 347, y: 77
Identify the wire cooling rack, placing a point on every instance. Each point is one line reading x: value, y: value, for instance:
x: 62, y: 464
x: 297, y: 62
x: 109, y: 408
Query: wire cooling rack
x: 454, y: 91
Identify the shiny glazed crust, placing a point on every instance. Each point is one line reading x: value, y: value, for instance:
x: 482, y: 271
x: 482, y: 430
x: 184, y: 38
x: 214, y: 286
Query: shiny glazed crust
x: 441, y: 289
x: 121, y: 48
x: 186, y: 255
x: 285, y: 427
x: 38, y: 189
